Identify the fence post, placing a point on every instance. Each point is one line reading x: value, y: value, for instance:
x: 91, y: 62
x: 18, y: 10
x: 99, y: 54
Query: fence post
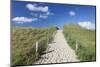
x: 76, y: 45
x: 36, y: 46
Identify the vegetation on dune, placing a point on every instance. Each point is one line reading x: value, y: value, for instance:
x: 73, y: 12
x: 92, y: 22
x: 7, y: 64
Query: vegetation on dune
x: 24, y: 40
x: 85, y: 39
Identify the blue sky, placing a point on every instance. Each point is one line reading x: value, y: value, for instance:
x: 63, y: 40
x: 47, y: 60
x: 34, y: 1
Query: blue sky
x: 35, y: 14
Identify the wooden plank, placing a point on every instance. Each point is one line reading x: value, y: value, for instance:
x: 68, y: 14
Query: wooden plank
x: 76, y: 45
x: 36, y: 46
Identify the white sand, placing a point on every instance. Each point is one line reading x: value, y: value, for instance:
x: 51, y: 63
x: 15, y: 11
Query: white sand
x: 60, y: 51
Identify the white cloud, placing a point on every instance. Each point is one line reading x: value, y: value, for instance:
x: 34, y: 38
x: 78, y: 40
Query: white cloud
x: 34, y: 14
x: 23, y: 19
x: 72, y: 13
x: 43, y: 16
x: 34, y: 7
x: 87, y: 25
x: 39, y: 11
x: 49, y: 13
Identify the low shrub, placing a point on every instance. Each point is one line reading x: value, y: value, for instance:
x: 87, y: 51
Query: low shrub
x: 85, y: 54
x: 24, y: 44
x: 42, y: 45
x: 86, y: 41
x: 71, y: 42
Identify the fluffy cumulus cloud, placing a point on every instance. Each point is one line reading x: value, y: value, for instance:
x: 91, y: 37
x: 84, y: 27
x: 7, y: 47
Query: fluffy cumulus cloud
x: 45, y: 15
x: 23, y: 19
x: 49, y: 13
x: 37, y: 11
x: 34, y: 7
x: 87, y: 25
x: 72, y: 13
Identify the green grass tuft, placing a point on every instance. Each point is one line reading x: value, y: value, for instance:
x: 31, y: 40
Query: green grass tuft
x: 23, y: 43
x: 85, y: 38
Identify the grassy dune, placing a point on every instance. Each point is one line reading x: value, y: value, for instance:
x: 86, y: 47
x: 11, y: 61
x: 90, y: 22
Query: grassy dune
x: 85, y: 39
x: 23, y: 43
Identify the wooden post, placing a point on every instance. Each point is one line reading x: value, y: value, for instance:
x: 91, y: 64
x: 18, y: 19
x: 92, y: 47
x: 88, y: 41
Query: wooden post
x: 76, y: 45
x: 36, y: 46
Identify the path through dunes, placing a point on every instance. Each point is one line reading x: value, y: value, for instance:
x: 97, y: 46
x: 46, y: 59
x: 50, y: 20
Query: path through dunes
x: 58, y: 51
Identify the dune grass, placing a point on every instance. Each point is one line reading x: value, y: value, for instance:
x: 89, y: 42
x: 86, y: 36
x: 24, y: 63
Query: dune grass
x: 23, y: 43
x: 86, y: 41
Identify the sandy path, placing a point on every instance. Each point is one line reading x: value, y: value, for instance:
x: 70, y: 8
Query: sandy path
x: 58, y: 51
